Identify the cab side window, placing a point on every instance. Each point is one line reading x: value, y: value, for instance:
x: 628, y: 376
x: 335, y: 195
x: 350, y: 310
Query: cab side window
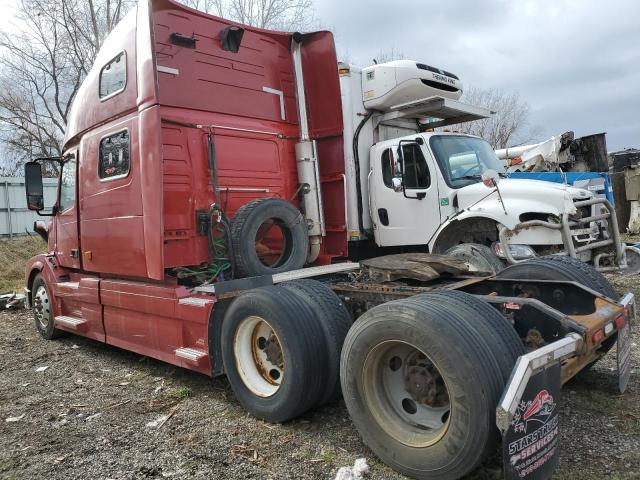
x: 67, y: 185
x: 114, y: 159
x: 387, y: 168
x: 113, y: 76
x: 416, y: 171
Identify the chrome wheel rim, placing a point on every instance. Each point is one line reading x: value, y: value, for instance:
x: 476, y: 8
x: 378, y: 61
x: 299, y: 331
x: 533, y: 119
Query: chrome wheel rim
x: 259, y: 356
x: 406, y: 394
x: 42, y: 307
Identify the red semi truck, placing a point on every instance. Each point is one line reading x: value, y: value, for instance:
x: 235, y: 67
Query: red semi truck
x: 204, y: 166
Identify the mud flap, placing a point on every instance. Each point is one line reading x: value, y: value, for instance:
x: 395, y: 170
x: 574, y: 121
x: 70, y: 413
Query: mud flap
x: 623, y: 359
x: 528, y: 412
x: 530, y: 444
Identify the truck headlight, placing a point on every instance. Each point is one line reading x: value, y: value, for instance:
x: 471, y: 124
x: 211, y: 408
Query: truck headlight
x: 518, y: 252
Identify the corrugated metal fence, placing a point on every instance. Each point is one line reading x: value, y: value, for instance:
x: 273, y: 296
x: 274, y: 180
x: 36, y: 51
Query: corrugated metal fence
x: 15, y: 218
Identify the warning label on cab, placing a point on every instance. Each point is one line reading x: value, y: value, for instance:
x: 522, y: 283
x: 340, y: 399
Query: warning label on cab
x: 530, y: 445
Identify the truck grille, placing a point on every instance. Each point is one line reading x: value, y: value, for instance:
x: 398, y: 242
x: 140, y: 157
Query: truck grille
x: 423, y: 66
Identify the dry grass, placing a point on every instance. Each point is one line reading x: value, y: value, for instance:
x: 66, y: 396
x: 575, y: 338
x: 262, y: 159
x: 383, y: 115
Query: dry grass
x: 13, y: 257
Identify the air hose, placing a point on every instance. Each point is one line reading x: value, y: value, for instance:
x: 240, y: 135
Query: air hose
x: 356, y: 164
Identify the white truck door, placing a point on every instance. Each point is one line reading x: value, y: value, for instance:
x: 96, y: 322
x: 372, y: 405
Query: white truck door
x: 409, y: 215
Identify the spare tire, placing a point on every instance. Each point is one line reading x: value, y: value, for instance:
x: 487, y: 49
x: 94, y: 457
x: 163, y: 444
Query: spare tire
x: 269, y: 235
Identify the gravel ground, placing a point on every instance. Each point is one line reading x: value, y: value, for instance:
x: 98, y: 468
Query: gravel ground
x: 97, y: 412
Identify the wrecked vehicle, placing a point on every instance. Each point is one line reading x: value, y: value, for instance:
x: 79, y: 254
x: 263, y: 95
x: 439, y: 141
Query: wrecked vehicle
x: 214, y: 212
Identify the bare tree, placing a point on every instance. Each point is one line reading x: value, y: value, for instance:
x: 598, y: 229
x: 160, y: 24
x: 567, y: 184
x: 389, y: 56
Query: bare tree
x: 388, y: 55
x: 509, y: 124
x: 286, y: 15
x: 43, y: 64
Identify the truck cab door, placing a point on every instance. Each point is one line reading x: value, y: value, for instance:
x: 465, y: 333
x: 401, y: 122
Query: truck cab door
x: 67, y: 239
x: 407, y: 212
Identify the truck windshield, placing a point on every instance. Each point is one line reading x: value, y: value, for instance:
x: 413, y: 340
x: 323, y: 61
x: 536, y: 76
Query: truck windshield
x: 463, y: 160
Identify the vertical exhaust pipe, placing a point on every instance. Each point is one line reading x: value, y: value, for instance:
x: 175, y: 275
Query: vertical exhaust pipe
x: 307, y: 160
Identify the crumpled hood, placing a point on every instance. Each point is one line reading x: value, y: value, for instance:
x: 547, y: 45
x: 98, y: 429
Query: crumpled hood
x: 519, y: 196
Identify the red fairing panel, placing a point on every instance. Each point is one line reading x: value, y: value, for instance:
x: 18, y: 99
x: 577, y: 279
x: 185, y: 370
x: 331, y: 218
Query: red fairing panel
x: 249, y: 97
x: 255, y: 129
x: 322, y: 88
x: 150, y: 320
x: 322, y: 85
x: 210, y: 79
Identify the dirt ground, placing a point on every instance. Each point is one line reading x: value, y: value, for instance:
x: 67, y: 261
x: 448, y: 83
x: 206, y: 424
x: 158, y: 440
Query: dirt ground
x: 99, y: 412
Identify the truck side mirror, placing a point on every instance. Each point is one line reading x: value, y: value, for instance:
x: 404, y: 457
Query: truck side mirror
x: 490, y: 178
x: 33, y: 186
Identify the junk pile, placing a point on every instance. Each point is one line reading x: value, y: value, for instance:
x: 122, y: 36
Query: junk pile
x: 11, y: 301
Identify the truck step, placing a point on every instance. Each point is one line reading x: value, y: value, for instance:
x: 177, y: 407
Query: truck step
x: 72, y: 323
x: 69, y: 285
x: 191, y: 355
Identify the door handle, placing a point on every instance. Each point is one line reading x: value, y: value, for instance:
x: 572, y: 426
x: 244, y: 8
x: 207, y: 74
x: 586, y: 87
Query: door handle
x: 383, y: 215
x: 74, y: 253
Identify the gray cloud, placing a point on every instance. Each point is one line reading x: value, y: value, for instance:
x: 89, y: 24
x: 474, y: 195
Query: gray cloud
x: 576, y: 62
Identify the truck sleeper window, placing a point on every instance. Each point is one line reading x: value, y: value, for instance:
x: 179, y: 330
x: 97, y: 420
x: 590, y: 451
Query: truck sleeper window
x: 113, y: 76
x: 114, y: 156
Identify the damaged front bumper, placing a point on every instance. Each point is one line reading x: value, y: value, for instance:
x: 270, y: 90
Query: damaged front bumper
x: 572, y: 229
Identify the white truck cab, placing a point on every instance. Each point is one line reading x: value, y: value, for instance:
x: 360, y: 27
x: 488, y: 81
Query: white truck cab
x: 411, y: 186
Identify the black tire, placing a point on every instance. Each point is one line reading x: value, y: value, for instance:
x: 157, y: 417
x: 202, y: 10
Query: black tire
x: 335, y: 321
x: 244, y: 228
x: 477, y: 256
x: 561, y: 267
x: 41, y: 305
x: 464, y: 356
x: 301, y: 340
x: 509, y: 345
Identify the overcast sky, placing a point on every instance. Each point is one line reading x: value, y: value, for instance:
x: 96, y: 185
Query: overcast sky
x: 576, y: 62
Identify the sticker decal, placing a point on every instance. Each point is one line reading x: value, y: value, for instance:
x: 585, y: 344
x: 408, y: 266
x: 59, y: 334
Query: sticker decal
x: 444, y: 202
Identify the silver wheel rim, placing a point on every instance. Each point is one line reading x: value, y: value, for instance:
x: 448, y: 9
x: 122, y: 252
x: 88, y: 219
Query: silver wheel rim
x: 259, y: 356
x: 42, y: 307
x: 406, y: 394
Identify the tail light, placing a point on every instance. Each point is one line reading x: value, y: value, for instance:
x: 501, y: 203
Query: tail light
x: 620, y: 321
x: 598, y: 336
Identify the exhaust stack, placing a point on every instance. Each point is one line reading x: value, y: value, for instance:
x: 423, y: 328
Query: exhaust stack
x: 307, y: 161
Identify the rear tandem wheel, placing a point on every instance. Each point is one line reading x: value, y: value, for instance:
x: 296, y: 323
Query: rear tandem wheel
x: 421, y: 378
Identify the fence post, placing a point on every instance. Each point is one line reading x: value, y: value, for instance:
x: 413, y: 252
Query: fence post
x: 7, y: 196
